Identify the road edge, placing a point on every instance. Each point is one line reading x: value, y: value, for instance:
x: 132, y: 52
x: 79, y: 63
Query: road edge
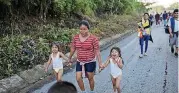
x: 36, y: 77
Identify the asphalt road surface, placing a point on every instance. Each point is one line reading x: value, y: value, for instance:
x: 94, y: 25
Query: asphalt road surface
x: 155, y: 73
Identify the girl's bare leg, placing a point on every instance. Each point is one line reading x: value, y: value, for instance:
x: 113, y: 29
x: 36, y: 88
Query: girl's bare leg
x: 114, y: 83
x: 56, y: 75
x: 118, y: 80
x: 59, y: 76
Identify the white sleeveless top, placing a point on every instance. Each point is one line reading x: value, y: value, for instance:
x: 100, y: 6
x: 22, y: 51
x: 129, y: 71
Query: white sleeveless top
x: 115, y: 70
x: 57, y: 61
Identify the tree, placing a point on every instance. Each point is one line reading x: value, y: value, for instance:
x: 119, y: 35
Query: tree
x: 174, y: 6
x: 158, y: 9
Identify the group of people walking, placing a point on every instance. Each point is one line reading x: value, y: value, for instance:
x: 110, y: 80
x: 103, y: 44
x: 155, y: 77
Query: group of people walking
x: 87, y: 47
x: 88, y: 52
x: 170, y: 21
x: 160, y: 18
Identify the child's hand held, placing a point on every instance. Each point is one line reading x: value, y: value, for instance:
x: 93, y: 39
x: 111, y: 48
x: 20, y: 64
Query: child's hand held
x: 100, y: 69
x: 69, y: 64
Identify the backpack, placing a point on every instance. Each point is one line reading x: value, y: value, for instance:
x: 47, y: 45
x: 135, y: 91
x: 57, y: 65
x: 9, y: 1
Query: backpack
x: 167, y: 29
x: 172, y: 20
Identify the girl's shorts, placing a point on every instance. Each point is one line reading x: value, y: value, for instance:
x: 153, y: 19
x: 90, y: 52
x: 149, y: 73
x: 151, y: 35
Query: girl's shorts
x: 58, y: 70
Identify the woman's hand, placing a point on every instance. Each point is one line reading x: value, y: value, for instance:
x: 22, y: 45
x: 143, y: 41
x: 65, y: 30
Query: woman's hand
x: 101, y: 68
x: 101, y: 65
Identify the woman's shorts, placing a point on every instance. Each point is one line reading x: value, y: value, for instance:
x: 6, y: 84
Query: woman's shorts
x: 89, y: 67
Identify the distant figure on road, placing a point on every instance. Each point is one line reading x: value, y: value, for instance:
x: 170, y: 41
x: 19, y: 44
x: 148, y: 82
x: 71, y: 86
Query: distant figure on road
x: 151, y: 17
x: 87, y: 47
x: 161, y: 17
x: 56, y: 59
x: 116, y: 64
x: 144, y: 33
x: 169, y: 16
x: 165, y: 15
x: 157, y: 19
x: 63, y: 87
x: 173, y: 30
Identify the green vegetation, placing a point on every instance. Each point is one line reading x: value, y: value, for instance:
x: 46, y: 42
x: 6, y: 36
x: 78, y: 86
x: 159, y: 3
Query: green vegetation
x: 174, y: 6
x: 67, y: 8
x: 28, y: 27
x: 158, y: 9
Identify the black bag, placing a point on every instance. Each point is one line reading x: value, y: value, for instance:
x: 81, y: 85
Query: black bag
x: 151, y: 39
x: 167, y: 30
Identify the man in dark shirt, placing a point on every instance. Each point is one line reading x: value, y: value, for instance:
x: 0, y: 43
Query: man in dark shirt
x: 165, y: 15
x: 157, y: 18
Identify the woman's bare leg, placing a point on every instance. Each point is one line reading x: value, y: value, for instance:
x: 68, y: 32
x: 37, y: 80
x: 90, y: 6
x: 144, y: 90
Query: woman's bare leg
x: 80, y: 80
x: 91, y: 80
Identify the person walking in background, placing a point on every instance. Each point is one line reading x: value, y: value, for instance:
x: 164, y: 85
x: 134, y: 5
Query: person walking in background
x: 87, y: 47
x: 173, y: 30
x: 161, y: 17
x: 144, y: 34
x: 157, y: 19
x: 165, y: 15
x: 170, y: 15
x: 56, y: 59
x: 151, y: 17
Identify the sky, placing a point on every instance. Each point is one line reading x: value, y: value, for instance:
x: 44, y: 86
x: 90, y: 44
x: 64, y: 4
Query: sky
x: 165, y: 3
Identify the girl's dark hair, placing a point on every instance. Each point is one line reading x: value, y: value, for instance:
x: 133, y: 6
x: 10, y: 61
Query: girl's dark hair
x: 146, y: 14
x: 63, y: 87
x: 117, y: 49
x: 56, y: 44
x: 119, y: 52
x: 85, y: 22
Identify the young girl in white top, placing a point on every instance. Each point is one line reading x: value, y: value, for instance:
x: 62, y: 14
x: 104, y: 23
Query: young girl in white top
x: 116, y: 65
x: 56, y: 59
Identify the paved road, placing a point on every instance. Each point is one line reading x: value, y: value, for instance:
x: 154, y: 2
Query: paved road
x: 155, y: 73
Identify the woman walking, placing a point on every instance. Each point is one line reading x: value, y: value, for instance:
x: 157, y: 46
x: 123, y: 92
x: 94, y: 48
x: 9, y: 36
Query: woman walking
x: 87, y: 47
x: 144, y: 33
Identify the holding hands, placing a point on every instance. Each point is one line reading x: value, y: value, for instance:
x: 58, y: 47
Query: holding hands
x: 102, y: 66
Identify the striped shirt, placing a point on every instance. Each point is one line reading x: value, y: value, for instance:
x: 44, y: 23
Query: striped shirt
x: 86, y: 49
